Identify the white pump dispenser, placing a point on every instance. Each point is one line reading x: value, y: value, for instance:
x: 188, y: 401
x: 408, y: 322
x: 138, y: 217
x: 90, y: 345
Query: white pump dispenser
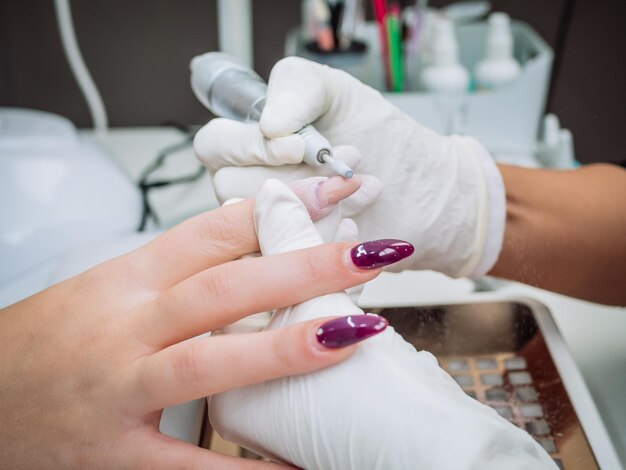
x: 444, y: 73
x: 499, y: 66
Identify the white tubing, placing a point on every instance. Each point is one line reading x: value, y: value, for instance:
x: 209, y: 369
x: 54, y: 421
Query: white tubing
x: 77, y: 64
x: 235, y: 29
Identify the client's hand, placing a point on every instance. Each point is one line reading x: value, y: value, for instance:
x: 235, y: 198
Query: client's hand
x: 87, y: 366
x: 386, y: 407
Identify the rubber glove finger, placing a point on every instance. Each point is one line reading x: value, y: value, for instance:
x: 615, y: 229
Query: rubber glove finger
x: 366, y: 196
x: 231, y: 181
x: 320, y: 195
x: 347, y: 231
x: 299, y: 91
x: 282, y: 222
x: 224, y: 142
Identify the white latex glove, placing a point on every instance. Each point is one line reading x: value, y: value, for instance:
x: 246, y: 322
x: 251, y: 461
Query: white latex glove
x: 442, y: 194
x: 386, y: 407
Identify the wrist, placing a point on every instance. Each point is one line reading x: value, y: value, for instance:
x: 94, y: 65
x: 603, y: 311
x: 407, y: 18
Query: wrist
x: 491, y: 213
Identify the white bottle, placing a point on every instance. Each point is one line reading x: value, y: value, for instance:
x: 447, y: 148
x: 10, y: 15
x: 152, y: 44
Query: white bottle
x: 444, y: 73
x: 556, y: 148
x: 499, y: 66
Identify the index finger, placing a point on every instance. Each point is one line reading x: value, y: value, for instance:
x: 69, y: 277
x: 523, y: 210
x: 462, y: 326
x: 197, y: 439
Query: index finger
x: 218, y: 236
x: 224, y: 142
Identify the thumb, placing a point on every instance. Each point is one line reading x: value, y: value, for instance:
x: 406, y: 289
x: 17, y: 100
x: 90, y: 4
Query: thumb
x: 299, y: 91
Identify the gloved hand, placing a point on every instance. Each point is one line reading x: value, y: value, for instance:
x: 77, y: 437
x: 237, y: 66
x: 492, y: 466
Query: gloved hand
x: 386, y: 407
x: 442, y: 194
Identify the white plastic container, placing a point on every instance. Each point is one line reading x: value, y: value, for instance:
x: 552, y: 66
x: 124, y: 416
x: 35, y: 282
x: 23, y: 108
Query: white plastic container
x: 444, y: 73
x: 499, y: 66
x: 506, y: 120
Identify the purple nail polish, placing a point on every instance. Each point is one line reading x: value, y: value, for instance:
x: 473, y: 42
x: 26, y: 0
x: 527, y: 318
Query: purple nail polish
x: 379, y: 253
x: 344, y: 331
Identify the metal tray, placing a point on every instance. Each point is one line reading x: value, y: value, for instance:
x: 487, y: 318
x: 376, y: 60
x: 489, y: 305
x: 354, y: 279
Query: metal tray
x: 498, y: 354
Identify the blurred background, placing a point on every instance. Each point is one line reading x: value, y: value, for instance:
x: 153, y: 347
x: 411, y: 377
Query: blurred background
x: 138, y: 53
x: 70, y: 200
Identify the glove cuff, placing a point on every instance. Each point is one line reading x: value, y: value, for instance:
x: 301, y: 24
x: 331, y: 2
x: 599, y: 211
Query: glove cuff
x: 491, y: 228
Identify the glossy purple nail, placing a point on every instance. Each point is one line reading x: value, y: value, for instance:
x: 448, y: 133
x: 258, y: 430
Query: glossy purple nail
x: 379, y: 253
x: 344, y: 331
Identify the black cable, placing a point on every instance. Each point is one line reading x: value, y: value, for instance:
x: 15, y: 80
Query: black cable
x: 559, y: 45
x: 145, y: 186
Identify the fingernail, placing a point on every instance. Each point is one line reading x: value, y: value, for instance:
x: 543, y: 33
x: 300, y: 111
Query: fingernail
x: 344, y: 331
x: 335, y: 189
x: 379, y: 253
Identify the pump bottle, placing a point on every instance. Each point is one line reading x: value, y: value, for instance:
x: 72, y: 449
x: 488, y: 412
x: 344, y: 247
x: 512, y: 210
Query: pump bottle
x: 444, y: 73
x: 499, y: 66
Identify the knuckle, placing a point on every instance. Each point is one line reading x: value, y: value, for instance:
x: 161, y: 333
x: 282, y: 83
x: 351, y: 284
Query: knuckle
x: 215, y: 127
x: 292, y: 351
x: 281, y: 351
x: 286, y: 62
x: 204, y: 141
x: 312, y: 268
x: 186, y: 369
x: 215, y: 227
x: 223, y: 233
x: 219, y: 285
x: 323, y: 266
x: 290, y: 65
x: 331, y: 257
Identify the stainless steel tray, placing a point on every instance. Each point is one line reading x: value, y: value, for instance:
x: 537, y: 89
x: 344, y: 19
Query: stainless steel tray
x: 498, y: 354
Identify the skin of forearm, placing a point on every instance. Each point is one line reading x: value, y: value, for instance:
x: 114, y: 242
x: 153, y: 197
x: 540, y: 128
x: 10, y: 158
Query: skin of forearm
x: 566, y: 231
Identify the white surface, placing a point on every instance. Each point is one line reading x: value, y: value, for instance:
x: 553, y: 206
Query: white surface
x: 87, y: 255
x: 57, y: 189
x: 136, y: 148
x: 594, y: 334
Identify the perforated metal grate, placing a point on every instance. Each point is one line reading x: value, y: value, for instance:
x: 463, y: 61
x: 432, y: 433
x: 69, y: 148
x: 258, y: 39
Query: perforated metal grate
x: 498, y: 355
x: 502, y: 382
